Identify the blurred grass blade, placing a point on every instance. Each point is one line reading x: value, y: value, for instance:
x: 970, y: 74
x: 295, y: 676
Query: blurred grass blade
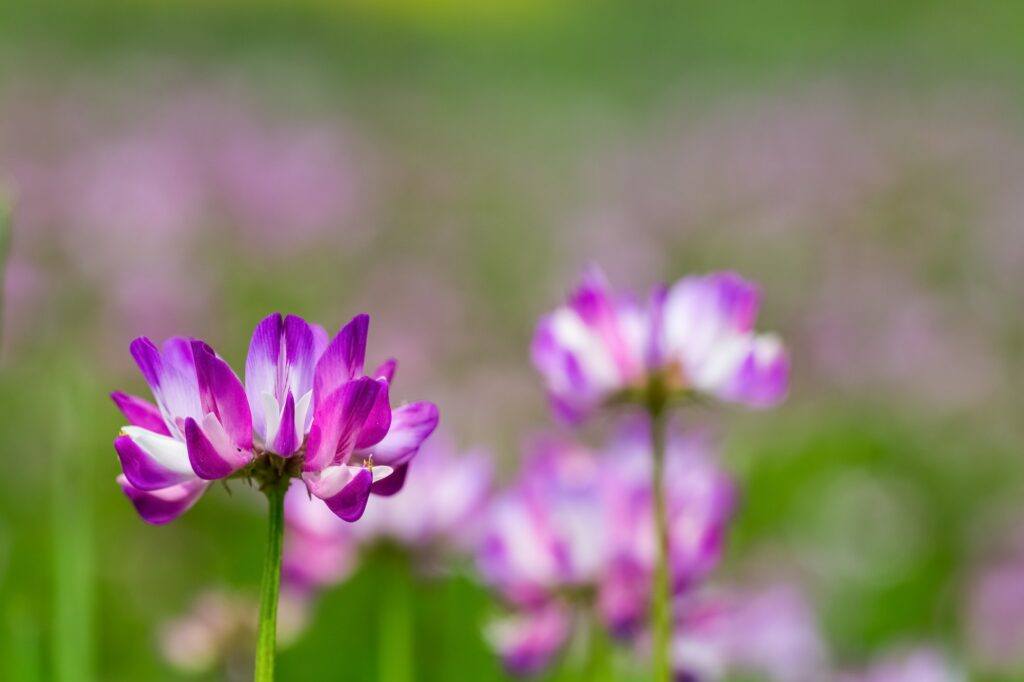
x: 21, y: 651
x: 72, y: 517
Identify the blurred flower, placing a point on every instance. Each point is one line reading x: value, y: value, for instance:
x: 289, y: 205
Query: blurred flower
x: 995, y: 614
x: 204, y: 423
x: 218, y: 631
x: 319, y: 548
x: 695, y: 336
x: 576, y: 534
x: 770, y: 633
x: 528, y: 640
x: 916, y: 665
x: 440, y: 505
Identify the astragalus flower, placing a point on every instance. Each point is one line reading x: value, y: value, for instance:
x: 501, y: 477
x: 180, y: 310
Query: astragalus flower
x: 306, y: 411
x: 302, y: 392
x: 693, y: 337
x: 573, y: 541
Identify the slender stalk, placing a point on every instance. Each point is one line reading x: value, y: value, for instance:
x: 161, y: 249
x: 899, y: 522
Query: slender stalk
x: 661, y: 611
x: 395, y: 639
x: 266, y: 639
x: 599, y: 663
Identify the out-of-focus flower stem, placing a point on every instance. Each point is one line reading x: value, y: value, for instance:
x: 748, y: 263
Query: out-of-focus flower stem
x: 266, y: 639
x: 661, y: 625
x: 598, y: 666
x: 395, y: 639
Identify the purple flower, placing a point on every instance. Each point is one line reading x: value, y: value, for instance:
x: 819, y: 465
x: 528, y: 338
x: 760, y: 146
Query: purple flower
x: 995, y: 612
x: 302, y: 394
x: 576, y: 530
x: 696, y: 336
x: 527, y: 641
x: 771, y: 633
x: 700, y: 502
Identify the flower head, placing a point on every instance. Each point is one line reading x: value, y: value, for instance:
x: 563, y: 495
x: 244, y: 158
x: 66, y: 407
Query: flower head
x: 696, y: 336
x: 303, y: 395
x: 575, y: 534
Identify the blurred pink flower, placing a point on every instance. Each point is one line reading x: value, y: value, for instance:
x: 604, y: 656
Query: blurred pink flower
x: 916, y: 665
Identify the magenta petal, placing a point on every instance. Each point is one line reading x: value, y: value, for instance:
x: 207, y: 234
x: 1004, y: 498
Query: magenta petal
x: 167, y: 504
x: 222, y: 394
x: 338, y: 420
x: 391, y: 485
x: 300, y: 354
x: 206, y: 460
x: 386, y: 370
x: 147, y: 357
x: 349, y: 503
x: 261, y: 366
x: 343, y: 359
x: 285, y: 442
x: 141, y: 470
x: 378, y: 421
x: 762, y: 380
x: 140, y: 412
x: 410, y: 425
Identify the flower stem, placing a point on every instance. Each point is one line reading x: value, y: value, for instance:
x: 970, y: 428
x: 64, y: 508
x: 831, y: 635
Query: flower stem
x: 266, y: 639
x: 395, y: 639
x: 661, y: 611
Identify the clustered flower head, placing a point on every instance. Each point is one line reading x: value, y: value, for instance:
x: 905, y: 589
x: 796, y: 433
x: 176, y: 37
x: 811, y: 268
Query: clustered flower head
x: 695, y: 337
x: 574, y: 539
x: 306, y: 410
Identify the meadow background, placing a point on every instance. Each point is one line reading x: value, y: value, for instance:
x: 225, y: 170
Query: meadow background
x: 449, y: 167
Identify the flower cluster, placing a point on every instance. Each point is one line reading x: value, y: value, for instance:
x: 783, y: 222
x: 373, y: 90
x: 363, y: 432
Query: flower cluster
x: 694, y: 337
x: 306, y: 410
x: 574, y: 538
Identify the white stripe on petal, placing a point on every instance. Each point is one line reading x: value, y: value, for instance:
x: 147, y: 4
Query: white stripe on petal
x: 165, y: 451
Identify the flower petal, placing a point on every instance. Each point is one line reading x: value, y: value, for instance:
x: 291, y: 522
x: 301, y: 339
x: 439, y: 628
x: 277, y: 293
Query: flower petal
x: 338, y: 421
x: 150, y: 460
x: 392, y: 484
x: 285, y: 441
x: 210, y: 450
x: 378, y: 421
x: 386, y: 370
x: 166, y: 504
x: 222, y: 394
x: 171, y: 376
x: 140, y: 412
x: 762, y: 379
x: 261, y: 368
x: 343, y: 359
x: 345, y: 489
x: 410, y: 425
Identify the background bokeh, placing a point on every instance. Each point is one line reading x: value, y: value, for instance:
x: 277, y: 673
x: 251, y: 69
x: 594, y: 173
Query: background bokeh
x: 449, y: 167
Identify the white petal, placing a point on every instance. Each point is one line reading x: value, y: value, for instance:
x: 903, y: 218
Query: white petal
x: 165, y: 451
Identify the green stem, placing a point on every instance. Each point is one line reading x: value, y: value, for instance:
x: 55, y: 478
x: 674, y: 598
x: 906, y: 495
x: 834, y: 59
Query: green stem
x: 395, y: 638
x: 266, y: 639
x: 598, y: 665
x: 661, y: 611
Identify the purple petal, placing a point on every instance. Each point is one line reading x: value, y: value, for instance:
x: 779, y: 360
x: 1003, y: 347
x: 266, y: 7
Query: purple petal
x: 222, y: 394
x: 410, y: 425
x: 343, y: 359
x: 285, y: 442
x: 261, y: 367
x: 345, y: 490
x: 338, y: 420
x: 300, y: 354
x: 386, y: 370
x: 391, y: 485
x: 211, y: 454
x: 171, y: 376
x: 144, y: 470
x: 140, y: 412
x: 762, y: 380
x: 378, y: 421
x: 167, y: 504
